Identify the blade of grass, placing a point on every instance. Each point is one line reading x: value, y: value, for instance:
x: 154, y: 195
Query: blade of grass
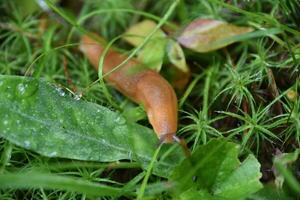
x: 51, y: 181
x: 5, y: 156
x: 149, y: 170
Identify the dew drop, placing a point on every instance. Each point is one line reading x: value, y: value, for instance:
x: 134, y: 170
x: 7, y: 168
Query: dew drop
x: 26, y: 143
x: 27, y: 88
x: 9, y: 96
x: 130, y: 155
x: 5, y: 122
x: 52, y: 154
x: 60, y: 91
x: 194, y: 178
x: 120, y: 120
x: 77, y: 96
x: 21, y: 88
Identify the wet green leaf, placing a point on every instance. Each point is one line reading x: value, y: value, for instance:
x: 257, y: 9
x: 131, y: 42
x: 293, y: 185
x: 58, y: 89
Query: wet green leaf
x: 199, y: 194
x: 46, y: 119
x: 215, y: 172
x: 204, y: 35
x: 283, y: 173
x: 269, y: 192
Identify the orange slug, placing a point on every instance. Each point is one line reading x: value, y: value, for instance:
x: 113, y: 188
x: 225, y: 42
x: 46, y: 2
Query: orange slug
x: 145, y: 87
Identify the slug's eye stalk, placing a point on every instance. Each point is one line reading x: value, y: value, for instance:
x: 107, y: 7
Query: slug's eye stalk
x: 167, y: 138
x: 171, y: 137
x: 176, y: 139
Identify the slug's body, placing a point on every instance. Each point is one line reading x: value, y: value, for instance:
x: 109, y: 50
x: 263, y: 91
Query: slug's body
x: 145, y: 87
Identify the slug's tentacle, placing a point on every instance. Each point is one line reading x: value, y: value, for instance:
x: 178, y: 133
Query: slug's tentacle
x: 146, y: 87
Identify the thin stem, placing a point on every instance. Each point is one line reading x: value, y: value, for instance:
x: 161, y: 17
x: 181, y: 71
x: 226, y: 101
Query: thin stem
x: 149, y: 170
x: 5, y: 157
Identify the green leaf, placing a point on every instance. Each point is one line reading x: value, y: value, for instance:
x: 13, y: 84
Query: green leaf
x: 215, y: 168
x: 269, y: 192
x: 41, y: 117
x: 153, y: 52
x: 200, y: 194
x: 176, y: 56
x: 51, y: 181
x: 134, y: 114
x: 283, y: 173
x: 204, y: 35
x: 136, y: 34
x: 241, y: 182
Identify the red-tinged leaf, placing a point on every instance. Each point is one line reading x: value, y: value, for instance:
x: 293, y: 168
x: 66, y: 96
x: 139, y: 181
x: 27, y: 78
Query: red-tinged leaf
x: 204, y: 35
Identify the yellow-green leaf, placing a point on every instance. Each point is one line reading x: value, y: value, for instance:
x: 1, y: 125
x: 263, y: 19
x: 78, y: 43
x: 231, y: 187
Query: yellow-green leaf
x: 136, y: 34
x: 153, y: 52
x: 176, y: 56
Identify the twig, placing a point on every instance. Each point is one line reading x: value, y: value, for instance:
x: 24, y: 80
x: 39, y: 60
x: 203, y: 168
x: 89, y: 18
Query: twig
x: 274, y: 91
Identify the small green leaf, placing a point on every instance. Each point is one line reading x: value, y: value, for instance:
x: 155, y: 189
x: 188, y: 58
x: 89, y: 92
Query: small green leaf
x: 136, y: 34
x: 283, y: 173
x: 134, y: 114
x: 176, y: 56
x: 153, y: 52
x: 199, y: 194
x: 41, y: 117
x: 204, y: 35
x: 241, y: 182
x: 269, y: 192
x: 215, y: 168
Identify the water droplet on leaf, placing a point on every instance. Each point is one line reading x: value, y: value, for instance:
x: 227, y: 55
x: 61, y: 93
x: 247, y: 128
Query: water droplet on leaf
x: 27, y: 88
x: 60, y: 91
x: 52, y: 154
x: 26, y: 143
x: 120, y: 120
x: 77, y: 96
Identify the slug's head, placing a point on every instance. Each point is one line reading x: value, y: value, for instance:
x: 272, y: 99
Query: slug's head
x: 171, y: 137
x: 168, y: 138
